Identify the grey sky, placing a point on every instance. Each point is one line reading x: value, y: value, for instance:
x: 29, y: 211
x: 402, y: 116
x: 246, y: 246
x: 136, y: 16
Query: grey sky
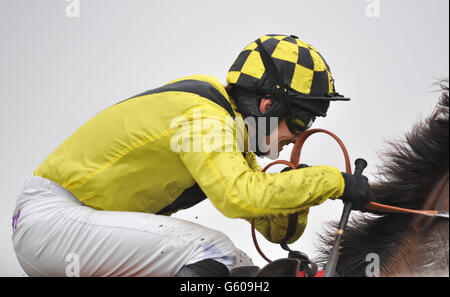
x: 57, y: 72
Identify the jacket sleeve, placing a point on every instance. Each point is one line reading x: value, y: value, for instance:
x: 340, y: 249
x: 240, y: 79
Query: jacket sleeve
x: 251, y: 161
x: 274, y: 227
x: 238, y: 191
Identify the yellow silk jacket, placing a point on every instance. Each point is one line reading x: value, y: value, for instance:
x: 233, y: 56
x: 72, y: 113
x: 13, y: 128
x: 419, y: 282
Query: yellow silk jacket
x: 144, y: 155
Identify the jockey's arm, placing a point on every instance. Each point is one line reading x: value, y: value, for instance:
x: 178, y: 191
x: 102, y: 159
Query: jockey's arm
x: 238, y: 191
x: 273, y: 227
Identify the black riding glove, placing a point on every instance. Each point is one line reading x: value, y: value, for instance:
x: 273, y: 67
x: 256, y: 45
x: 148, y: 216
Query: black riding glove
x: 357, y: 191
x: 298, y: 167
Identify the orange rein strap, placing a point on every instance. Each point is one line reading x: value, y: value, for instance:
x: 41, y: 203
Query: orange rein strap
x: 295, y: 160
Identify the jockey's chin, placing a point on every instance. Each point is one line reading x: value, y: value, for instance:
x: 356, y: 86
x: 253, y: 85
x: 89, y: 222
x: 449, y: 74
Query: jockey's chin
x: 274, y: 150
x: 278, y: 139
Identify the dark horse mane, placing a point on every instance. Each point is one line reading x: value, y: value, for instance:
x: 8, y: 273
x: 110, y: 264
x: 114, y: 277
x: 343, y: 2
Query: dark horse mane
x: 411, y: 168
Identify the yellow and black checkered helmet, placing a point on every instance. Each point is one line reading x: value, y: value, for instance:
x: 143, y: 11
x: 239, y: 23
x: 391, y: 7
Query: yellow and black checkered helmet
x: 284, y: 65
x: 300, y: 65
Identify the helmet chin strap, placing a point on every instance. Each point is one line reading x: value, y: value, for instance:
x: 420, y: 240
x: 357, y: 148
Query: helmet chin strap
x: 258, y: 139
x: 248, y: 104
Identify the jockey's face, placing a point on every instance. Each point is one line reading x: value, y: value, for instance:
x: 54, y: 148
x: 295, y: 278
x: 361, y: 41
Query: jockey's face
x: 281, y: 136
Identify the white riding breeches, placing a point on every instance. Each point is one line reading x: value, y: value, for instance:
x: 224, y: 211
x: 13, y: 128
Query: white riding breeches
x: 56, y: 235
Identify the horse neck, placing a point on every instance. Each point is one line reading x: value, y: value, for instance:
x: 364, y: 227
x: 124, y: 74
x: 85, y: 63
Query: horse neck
x: 439, y: 196
x: 425, y: 251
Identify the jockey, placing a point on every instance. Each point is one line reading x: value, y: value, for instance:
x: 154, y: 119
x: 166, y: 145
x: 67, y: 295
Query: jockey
x: 100, y: 204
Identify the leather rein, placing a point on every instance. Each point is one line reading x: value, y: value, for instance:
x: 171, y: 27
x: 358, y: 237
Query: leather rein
x: 442, y: 189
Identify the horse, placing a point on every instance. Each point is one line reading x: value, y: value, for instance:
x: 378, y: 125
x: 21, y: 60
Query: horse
x: 414, y: 176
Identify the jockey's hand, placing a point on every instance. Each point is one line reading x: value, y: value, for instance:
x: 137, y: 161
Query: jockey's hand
x: 300, y: 166
x: 357, y: 191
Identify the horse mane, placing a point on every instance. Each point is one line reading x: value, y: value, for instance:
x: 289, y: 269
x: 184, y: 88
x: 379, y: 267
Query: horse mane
x: 411, y: 168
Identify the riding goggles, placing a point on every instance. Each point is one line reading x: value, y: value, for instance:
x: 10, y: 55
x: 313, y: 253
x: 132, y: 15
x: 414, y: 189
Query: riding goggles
x: 299, y: 121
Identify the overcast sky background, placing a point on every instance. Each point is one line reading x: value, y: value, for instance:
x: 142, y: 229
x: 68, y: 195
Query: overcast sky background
x: 56, y: 72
